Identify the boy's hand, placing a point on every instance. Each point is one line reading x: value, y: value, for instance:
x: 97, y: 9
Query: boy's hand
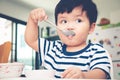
x: 38, y: 15
x: 73, y: 72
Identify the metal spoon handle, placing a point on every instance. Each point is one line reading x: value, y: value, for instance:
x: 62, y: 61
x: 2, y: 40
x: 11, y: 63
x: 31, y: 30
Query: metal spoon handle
x: 48, y: 21
x: 65, y: 32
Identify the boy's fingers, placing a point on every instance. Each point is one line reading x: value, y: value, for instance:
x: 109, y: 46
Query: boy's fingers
x: 33, y: 17
x: 70, y: 74
x: 66, y: 72
x: 41, y: 14
x: 38, y: 15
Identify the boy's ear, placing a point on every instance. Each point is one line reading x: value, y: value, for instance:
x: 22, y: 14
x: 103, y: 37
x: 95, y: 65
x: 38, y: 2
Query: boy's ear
x: 92, y: 28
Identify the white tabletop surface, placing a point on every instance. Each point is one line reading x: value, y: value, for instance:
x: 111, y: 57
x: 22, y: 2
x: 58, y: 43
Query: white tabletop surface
x: 21, y: 78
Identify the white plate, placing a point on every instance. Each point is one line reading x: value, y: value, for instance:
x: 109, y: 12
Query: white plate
x: 14, y: 78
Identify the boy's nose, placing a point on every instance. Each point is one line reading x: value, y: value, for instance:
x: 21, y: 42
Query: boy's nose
x: 70, y: 26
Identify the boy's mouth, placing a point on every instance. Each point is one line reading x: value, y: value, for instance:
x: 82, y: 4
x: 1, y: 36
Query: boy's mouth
x: 70, y: 37
x: 68, y: 33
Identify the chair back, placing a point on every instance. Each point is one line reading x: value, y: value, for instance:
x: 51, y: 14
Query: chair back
x: 5, y: 52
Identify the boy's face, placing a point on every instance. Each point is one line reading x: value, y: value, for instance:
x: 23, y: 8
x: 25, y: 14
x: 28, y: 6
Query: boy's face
x: 76, y: 21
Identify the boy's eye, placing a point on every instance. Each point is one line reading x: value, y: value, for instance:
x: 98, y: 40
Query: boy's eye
x: 63, y: 21
x: 78, y: 20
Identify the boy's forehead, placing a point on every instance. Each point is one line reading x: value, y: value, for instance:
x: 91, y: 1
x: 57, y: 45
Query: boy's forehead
x: 75, y: 12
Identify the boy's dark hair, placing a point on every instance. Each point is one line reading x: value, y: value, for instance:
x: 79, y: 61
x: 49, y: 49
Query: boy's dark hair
x: 69, y: 5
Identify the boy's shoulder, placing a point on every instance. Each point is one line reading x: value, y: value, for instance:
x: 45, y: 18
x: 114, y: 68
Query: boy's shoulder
x: 97, y: 46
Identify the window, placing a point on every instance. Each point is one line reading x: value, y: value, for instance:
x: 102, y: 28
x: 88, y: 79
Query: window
x: 13, y: 30
x: 24, y: 52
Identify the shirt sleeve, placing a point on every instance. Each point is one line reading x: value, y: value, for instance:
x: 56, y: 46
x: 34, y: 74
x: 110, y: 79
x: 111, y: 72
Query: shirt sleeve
x: 100, y: 60
x: 45, y: 46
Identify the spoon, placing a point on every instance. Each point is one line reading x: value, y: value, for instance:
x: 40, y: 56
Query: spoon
x: 65, y: 32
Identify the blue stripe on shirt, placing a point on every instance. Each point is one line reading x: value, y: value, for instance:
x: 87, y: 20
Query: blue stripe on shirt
x: 99, y: 63
x: 98, y: 58
x: 60, y: 70
x: 66, y: 63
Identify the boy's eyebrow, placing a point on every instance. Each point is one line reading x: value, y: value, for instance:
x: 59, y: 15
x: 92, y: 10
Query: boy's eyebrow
x: 78, y: 15
x: 61, y: 17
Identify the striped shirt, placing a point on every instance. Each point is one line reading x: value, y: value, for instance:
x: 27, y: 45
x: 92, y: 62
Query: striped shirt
x: 54, y: 56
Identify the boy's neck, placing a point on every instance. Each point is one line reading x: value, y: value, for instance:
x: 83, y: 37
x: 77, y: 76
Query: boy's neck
x: 76, y: 48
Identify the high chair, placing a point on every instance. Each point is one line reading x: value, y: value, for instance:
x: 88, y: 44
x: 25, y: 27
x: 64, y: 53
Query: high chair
x: 5, y: 52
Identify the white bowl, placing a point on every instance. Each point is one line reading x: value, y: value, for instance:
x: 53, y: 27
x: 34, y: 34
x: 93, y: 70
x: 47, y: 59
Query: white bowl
x: 39, y: 74
x: 10, y: 70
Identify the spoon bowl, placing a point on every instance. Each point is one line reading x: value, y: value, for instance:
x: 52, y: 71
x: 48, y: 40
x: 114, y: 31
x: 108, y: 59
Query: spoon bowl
x: 68, y: 32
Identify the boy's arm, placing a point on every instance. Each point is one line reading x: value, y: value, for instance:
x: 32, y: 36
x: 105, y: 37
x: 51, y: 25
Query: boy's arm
x: 76, y: 73
x: 31, y: 32
x: 95, y: 74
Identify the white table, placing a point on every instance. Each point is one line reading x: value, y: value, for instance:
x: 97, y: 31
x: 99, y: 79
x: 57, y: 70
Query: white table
x: 22, y: 78
x: 19, y: 78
